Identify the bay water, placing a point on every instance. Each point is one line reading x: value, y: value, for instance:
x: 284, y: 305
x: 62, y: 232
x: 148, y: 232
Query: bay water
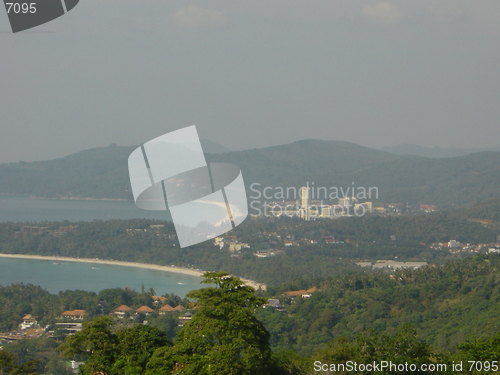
x: 84, y: 276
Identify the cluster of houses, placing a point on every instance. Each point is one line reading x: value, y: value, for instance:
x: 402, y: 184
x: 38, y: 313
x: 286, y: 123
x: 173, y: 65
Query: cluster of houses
x: 30, y: 231
x: 454, y: 246
x: 391, y: 265
x: 122, y: 310
x: 230, y: 243
x: 267, y: 253
x: 157, y: 230
x: 275, y: 303
x: 70, y: 321
x: 28, y: 328
x: 73, y: 318
x: 290, y: 241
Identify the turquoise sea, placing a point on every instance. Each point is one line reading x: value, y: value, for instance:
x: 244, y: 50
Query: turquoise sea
x: 84, y: 276
x: 55, y: 276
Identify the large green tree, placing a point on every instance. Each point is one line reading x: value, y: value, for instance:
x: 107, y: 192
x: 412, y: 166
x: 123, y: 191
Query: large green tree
x: 400, y: 348
x: 224, y: 337
x: 126, y: 352
x: 9, y: 365
x: 96, y: 344
x: 135, y: 347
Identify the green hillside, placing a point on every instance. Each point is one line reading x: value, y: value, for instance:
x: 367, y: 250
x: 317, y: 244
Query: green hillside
x: 102, y: 172
x: 95, y: 173
x: 446, y: 304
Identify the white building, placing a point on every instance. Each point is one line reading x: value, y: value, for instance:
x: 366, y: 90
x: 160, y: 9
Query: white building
x: 304, y: 202
x: 28, y: 322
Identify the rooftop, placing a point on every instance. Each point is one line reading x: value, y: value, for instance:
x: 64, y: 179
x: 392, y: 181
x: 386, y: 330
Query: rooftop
x: 122, y: 308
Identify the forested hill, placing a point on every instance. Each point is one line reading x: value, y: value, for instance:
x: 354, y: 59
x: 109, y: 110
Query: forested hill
x: 95, y: 173
x: 436, y: 151
x: 102, y: 172
x: 446, y: 304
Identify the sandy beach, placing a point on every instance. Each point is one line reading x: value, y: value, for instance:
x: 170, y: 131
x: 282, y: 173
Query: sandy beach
x: 174, y: 269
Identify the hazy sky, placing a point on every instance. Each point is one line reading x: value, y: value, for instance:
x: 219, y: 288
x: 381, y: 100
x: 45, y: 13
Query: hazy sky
x: 252, y: 73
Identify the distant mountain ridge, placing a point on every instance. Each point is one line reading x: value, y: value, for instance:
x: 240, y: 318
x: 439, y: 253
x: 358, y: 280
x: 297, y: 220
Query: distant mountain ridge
x: 102, y: 172
x: 212, y: 147
x: 436, y: 151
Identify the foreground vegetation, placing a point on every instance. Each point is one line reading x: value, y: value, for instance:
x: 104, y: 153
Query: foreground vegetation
x: 435, y: 315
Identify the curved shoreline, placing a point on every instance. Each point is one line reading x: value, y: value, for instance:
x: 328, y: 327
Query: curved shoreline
x: 173, y: 269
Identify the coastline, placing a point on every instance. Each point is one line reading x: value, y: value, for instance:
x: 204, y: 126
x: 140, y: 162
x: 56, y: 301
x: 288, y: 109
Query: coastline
x: 84, y: 199
x: 67, y: 198
x: 173, y: 269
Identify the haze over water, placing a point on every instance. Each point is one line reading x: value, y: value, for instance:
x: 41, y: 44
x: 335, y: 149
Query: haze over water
x: 24, y: 208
